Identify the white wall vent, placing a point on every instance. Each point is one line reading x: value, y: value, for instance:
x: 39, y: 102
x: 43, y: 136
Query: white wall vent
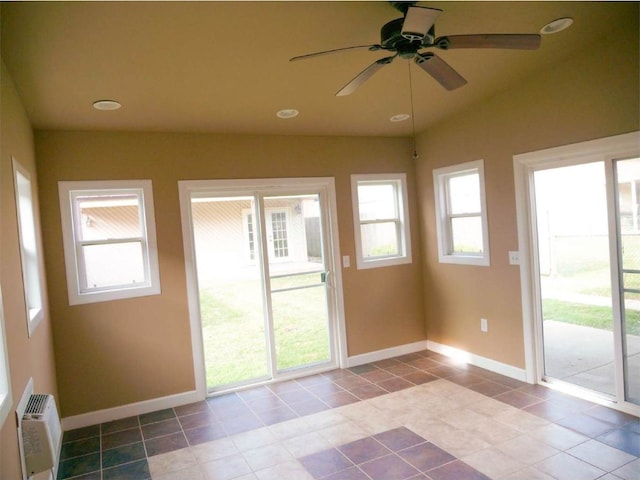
x: 41, y: 434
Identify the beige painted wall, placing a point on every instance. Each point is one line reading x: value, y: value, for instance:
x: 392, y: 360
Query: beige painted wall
x: 591, y: 95
x: 28, y: 357
x: 114, y: 353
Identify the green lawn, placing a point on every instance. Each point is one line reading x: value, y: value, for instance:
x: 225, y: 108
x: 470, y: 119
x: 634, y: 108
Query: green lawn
x: 588, y: 315
x: 234, y: 332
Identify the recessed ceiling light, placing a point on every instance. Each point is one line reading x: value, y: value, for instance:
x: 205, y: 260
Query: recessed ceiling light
x: 288, y: 113
x: 401, y: 117
x: 556, y: 26
x: 106, y: 105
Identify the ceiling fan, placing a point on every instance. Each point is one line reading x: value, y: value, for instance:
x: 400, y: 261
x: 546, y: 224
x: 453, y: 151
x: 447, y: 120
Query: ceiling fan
x: 415, y: 31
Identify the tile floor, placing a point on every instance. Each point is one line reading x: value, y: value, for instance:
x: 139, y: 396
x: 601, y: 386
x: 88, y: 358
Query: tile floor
x: 418, y: 416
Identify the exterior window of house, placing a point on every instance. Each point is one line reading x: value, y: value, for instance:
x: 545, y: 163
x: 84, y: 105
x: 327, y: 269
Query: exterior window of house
x: 5, y: 385
x: 381, y: 220
x: 109, y: 240
x: 32, y: 275
x: 461, y: 213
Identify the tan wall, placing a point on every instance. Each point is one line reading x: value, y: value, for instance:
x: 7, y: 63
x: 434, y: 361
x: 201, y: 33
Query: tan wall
x: 28, y: 357
x: 115, y: 353
x: 591, y: 95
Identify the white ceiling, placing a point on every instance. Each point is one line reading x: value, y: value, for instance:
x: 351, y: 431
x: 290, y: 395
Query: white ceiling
x: 224, y: 66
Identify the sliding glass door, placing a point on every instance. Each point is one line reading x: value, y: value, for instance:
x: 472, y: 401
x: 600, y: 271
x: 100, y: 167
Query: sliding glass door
x: 265, y: 286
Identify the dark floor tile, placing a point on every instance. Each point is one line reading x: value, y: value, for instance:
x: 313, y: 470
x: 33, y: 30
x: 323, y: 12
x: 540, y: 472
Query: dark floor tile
x: 378, y: 375
x: 277, y: 415
x: 309, y: 407
x: 517, y: 399
x: 466, y: 379
x: 426, y: 456
x: 456, y: 470
x: 586, y: 425
x: 401, y: 369
x: 360, y: 369
x: 120, y: 455
x: 364, y: 450
x: 363, y: 392
x: 386, y: 363
x: 423, y: 363
x: 419, y: 378
x: 241, y: 424
x: 80, y: 447
x: 119, y: 425
x: 324, y: 388
x: 339, y: 399
x: 284, y: 386
x: 255, y: 393
x: 159, y: 429
x: 228, y: 406
x: 157, y: 416
x: 81, y: 433
x: 609, y: 415
x: 409, y: 357
x: 444, y: 371
x: 269, y: 403
x: 353, y: 473
x: 191, y: 408
x: 118, y: 439
x: 507, y: 381
x: 313, y: 380
x: 199, y: 419
x: 79, y: 466
x: 399, y: 438
x: 388, y: 467
x: 622, y: 439
x: 395, y: 384
x: 549, y: 410
x: 633, y: 426
x: 349, y: 383
x: 97, y: 475
x: 326, y: 462
x: 338, y: 374
x: 295, y: 396
x: 204, y: 434
x: 168, y: 443
x: 131, y: 471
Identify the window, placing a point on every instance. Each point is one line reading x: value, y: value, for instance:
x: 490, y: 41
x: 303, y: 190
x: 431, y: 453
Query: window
x: 30, y: 256
x: 381, y: 220
x: 463, y: 235
x: 109, y: 240
x: 5, y: 384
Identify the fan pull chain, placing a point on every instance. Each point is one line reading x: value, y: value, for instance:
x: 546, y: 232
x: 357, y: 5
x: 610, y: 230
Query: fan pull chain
x: 413, y: 118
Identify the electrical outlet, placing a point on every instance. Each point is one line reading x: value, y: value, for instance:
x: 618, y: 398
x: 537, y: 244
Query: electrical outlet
x: 346, y: 261
x: 514, y: 258
x: 484, y: 325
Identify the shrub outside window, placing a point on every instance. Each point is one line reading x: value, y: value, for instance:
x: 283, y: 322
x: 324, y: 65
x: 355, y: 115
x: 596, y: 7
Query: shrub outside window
x: 461, y: 214
x: 109, y: 238
x: 381, y: 220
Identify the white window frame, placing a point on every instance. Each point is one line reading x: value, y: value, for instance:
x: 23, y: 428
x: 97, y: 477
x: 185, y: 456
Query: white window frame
x: 5, y: 383
x: 30, y: 247
x: 399, y: 182
x: 72, y: 245
x: 441, y: 177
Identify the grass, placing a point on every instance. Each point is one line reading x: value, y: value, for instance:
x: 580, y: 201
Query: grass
x: 588, y: 315
x: 233, y: 326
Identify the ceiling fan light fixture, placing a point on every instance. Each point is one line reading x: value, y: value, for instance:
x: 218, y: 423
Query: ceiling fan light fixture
x: 401, y: 117
x: 287, y: 113
x: 106, y: 105
x: 556, y: 26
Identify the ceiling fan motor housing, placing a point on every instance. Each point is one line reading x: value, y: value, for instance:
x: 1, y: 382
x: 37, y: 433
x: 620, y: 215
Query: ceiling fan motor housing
x: 391, y: 38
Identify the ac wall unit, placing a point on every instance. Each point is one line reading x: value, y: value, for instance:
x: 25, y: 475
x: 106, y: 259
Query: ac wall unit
x: 41, y: 434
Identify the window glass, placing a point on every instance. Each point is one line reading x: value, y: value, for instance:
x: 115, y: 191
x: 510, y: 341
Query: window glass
x: 109, y: 236
x: 381, y: 220
x: 464, y: 193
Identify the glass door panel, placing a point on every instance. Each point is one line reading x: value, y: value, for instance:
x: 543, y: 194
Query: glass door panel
x: 575, y: 276
x: 628, y: 195
x: 231, y: 290
x: 297, y: 281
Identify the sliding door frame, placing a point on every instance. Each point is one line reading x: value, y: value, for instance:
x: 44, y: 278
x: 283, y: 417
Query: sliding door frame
x: 606, y: 149
x: 261, y: 188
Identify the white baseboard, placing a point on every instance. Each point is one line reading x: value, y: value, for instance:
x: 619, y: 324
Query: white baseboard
x: 479, y: 361
x: 386, y: 353
x: 130, y: 410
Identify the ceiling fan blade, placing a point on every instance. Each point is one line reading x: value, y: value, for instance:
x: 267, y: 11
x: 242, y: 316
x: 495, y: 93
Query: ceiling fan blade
x: 418, y: 21
x: 524, y: 41
x: 440, y: 70
x: 363, y: 76
x: 372, y: 48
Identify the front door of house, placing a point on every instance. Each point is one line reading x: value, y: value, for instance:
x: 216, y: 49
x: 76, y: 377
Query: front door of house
x: 266, y: 288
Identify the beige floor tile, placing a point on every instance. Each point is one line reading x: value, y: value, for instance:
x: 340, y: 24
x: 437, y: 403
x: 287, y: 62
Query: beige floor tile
x: 189, y: 473
x: 306, y: 444
x: 209, y: 451
x: 522, y: 421
x: 290, y: 428
x: 291, y: 470
x: 600, y: 455
x: 254, y: 439
x: 459, y: 443
x: 566, y: 467
x: 493, y: 432
x: 322, y: 420
x: 528, y: 473
x: 343, y: 433
x: 464, y: 419
x: 493, y: 463
x: 267, y: 456
x: 527, y: 450
x: 226, y: 468
x: 491, y: 407
x: 558, y: 437
x: 631, y: 471
x: 172, y: 461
